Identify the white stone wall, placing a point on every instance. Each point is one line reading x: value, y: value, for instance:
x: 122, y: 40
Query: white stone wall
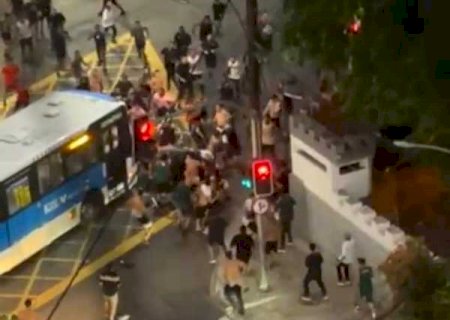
x: 319, y: 180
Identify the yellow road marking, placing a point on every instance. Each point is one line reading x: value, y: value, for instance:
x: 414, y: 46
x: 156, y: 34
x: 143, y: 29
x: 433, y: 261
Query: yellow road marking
x: 90, y: 269
x: 47, y: 83
x: 155, y: 62
x: 24, y: 277
x: 56, y: 259
x: 13, y: 296
x: 83, y: 246
x: 122, y: 67
x: 32, y: 279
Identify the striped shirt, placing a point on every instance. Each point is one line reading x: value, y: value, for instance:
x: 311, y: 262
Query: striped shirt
x: 110, y: 282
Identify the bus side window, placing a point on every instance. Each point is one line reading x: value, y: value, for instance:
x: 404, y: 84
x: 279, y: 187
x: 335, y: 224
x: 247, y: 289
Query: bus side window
x: 110, y: 139
x: 115, y: 137
x: 81, y: 158
x: 106, y: 141
x: 50, y: 172
x: 18, y: 195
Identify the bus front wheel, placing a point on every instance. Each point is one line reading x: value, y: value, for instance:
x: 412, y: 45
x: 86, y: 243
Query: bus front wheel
x: 92, y: 207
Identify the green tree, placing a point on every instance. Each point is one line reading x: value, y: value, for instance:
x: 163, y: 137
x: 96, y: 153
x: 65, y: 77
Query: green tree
x: 420, y: 282
x: 392, y: 79
x: 427, y: 293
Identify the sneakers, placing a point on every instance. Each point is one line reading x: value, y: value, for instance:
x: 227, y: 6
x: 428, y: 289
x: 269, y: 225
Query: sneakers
x: 325, y: 298
x: 124, y: 317
x: 282, y: 250
x: 373, y: 314
x: 306, y: 298
x: 148, y: 225
x: 213, y: 261
x: 341, y: 284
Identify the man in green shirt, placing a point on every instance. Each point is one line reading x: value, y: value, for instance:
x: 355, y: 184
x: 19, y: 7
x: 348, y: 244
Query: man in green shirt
x: 161, y: 175
x: 182, y: 199
x: 365, y: 287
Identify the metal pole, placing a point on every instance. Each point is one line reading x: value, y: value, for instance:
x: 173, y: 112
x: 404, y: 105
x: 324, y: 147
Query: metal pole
x: 254, y: 101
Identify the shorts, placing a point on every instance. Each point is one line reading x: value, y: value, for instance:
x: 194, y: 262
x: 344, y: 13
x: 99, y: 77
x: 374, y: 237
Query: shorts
x: 367, y: 297
x: 200, y: 212
x: 276, y: 122
x: 271, y: 247
x: 6, y: 36
x: 140, y: 46
x: 214, y: 241
x: 244, y: 257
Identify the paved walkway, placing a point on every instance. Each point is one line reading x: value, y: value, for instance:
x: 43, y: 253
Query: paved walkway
x: 282, y: 301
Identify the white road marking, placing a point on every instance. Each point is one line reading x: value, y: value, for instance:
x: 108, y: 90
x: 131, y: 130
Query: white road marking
x: 251, y: 305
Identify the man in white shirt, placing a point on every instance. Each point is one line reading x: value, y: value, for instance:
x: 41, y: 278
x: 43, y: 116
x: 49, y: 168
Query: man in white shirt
x: 109, y: 19
x: 345, y: 260
x: 234, y: 75
x: 25, y: 37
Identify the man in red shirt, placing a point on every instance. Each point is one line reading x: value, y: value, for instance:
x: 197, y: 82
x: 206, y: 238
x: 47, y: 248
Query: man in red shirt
x: 10, y: 72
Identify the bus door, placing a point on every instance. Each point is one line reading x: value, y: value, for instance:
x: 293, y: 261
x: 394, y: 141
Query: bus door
x: 23, y: 218
x: 117, y: 153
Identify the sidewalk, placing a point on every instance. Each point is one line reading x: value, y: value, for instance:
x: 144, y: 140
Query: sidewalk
x: 282, y: 301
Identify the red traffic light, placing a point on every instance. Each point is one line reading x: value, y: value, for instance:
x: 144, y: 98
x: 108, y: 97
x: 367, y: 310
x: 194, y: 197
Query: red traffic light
x: 145, y: 130
x: 262, y: 173
x: 262, y: 170
x: 354, y: 27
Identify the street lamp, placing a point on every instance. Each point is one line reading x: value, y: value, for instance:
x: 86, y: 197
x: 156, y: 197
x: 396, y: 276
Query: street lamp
x: 411, y: 145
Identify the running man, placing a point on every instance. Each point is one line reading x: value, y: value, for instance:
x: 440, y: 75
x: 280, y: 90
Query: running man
x: 140, y: 35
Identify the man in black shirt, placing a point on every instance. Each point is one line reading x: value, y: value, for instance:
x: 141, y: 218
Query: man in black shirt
x: 100, y: 44
x: 140, y: 35
x: 285, y: 209
x: 58, y: 37
x: 110, y: 283
x: 313, y: 263
x: 216, y: 225
x: 185, y: 85
x: 125, y: 86
x: 218, y: 8
x: 182, y: 41
x: 206, y: 28
x: 243, y: 244
x: 170, y: 56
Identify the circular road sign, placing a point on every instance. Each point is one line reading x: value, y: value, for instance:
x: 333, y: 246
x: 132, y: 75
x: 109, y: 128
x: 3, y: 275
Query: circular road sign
x: 261, y: 206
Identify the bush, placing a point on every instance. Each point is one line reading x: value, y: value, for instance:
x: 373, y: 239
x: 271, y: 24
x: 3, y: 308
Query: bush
x: 421, y: 282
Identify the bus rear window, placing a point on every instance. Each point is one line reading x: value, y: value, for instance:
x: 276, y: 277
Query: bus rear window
x: 18, y: 195
x: 81, y: 158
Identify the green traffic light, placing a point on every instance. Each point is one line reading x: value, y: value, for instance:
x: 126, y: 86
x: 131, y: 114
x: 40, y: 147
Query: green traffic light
x: 246, y: 183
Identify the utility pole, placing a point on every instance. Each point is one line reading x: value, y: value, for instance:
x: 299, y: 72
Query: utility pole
x: 256, y: 119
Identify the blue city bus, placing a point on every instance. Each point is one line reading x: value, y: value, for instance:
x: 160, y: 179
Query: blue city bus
x: 62, y: 158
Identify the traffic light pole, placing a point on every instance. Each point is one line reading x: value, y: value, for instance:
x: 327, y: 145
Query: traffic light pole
x: 254, y: 100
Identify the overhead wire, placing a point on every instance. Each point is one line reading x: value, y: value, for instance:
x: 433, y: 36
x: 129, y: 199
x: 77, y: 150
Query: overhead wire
x: 82, y: 263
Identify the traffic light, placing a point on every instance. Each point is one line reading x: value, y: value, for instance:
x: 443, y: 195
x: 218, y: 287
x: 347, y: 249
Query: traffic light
x: 246, y: 183
x: 262, y: 174
x: 354, y: 27
x: 145, y: 129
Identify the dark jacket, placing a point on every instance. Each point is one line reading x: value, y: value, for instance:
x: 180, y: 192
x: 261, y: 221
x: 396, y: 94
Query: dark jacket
x: 218, y: 9
x: 314, y: 263
x: 285, y: 207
